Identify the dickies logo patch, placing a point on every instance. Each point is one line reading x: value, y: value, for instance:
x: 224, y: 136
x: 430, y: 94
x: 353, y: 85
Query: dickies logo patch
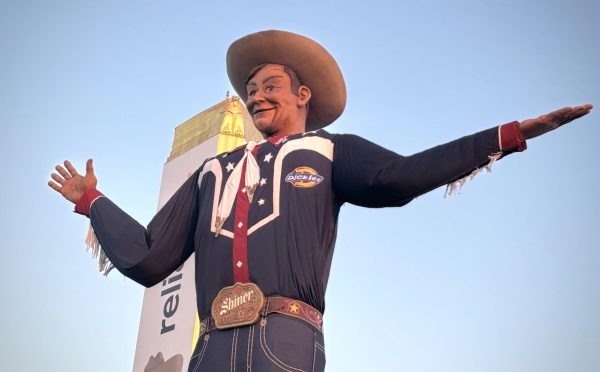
x: 304, y: 177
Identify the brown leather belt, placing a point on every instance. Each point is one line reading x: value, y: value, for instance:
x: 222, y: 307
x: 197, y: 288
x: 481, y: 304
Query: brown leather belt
x: 280, y: 305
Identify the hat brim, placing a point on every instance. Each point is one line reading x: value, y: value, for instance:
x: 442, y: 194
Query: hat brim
x: 315, y: 67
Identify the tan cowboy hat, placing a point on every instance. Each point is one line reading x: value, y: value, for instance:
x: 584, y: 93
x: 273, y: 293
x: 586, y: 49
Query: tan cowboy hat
x: 315, y: 67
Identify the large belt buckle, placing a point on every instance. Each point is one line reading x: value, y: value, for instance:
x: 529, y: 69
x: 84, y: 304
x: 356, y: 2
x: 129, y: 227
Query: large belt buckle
x: 237, y: 305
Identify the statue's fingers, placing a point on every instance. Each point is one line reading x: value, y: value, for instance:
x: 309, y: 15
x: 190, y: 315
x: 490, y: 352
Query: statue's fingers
x: 587, y: 106
x: 585, y: 109
x: 54, y: 186
x: 578, y: 114
x: 63, y: 172
x: 71, y: 168
x: 575, y: 113
x: 561, y: 111
x: 58, y: 179
x: 562, y: 115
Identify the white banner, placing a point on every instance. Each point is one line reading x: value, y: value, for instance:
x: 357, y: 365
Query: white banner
x: 166, y: 330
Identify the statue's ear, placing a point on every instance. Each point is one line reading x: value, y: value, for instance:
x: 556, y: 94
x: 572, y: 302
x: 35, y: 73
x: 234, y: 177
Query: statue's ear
x: 303, y: 95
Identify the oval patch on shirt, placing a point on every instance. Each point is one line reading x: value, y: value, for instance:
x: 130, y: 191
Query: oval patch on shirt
x: 304, y: 177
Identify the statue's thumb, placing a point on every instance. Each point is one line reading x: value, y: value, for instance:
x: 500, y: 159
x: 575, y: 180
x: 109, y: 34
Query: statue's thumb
x: 89, y: 167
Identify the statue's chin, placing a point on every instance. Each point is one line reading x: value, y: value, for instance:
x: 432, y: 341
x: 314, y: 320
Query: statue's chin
x: 265, y: 127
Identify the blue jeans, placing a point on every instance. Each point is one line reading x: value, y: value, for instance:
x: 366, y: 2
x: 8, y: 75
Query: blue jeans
x: 275, y: 343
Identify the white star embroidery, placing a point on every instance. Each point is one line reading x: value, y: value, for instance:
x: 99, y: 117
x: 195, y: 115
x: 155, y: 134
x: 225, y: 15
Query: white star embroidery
x: 229, y: 167
x: 261, y: 202
x: 268, y: 158
x: 263, y: 181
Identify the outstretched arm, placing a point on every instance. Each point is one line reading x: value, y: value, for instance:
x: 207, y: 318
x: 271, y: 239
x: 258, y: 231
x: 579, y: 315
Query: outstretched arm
x: 372, y: 176
x: 369, y: 175
x: 146, y: 255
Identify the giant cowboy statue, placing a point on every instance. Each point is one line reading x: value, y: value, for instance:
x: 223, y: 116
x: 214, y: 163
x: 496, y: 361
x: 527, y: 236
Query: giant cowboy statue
x: 262, y: 218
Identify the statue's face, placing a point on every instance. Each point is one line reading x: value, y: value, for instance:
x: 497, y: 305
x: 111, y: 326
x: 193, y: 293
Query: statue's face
x: 273, y: 106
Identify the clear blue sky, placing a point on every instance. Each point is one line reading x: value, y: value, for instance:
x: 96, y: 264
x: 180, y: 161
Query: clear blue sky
x: 503, y: 277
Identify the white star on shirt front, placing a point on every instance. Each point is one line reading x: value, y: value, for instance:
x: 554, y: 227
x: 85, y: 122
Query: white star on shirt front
x: 229, y: 167
x: 268, y: 158
x: 263, y: 181
x: 261, y: 202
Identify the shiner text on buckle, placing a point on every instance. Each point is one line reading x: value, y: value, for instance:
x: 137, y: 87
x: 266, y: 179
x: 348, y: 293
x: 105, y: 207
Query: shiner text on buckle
x: 237, y: 305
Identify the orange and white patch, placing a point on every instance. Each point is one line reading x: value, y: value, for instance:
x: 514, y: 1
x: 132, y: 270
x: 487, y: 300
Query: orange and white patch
x: 304, y: 177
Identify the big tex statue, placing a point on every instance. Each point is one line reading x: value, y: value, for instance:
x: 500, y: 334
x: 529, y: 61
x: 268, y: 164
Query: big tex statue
x: 262, y: 218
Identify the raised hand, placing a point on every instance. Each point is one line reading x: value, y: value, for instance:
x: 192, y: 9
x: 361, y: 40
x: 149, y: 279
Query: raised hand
x: 71, y: 184
x: 531, y: 128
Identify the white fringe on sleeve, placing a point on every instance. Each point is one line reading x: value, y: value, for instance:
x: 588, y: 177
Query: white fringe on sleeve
x: 453, y: 188
x: 92, y: 243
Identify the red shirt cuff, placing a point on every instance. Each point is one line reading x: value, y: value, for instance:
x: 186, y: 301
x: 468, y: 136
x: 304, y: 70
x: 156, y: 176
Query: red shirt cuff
x: 511, y: 139
x: 85, y: 202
